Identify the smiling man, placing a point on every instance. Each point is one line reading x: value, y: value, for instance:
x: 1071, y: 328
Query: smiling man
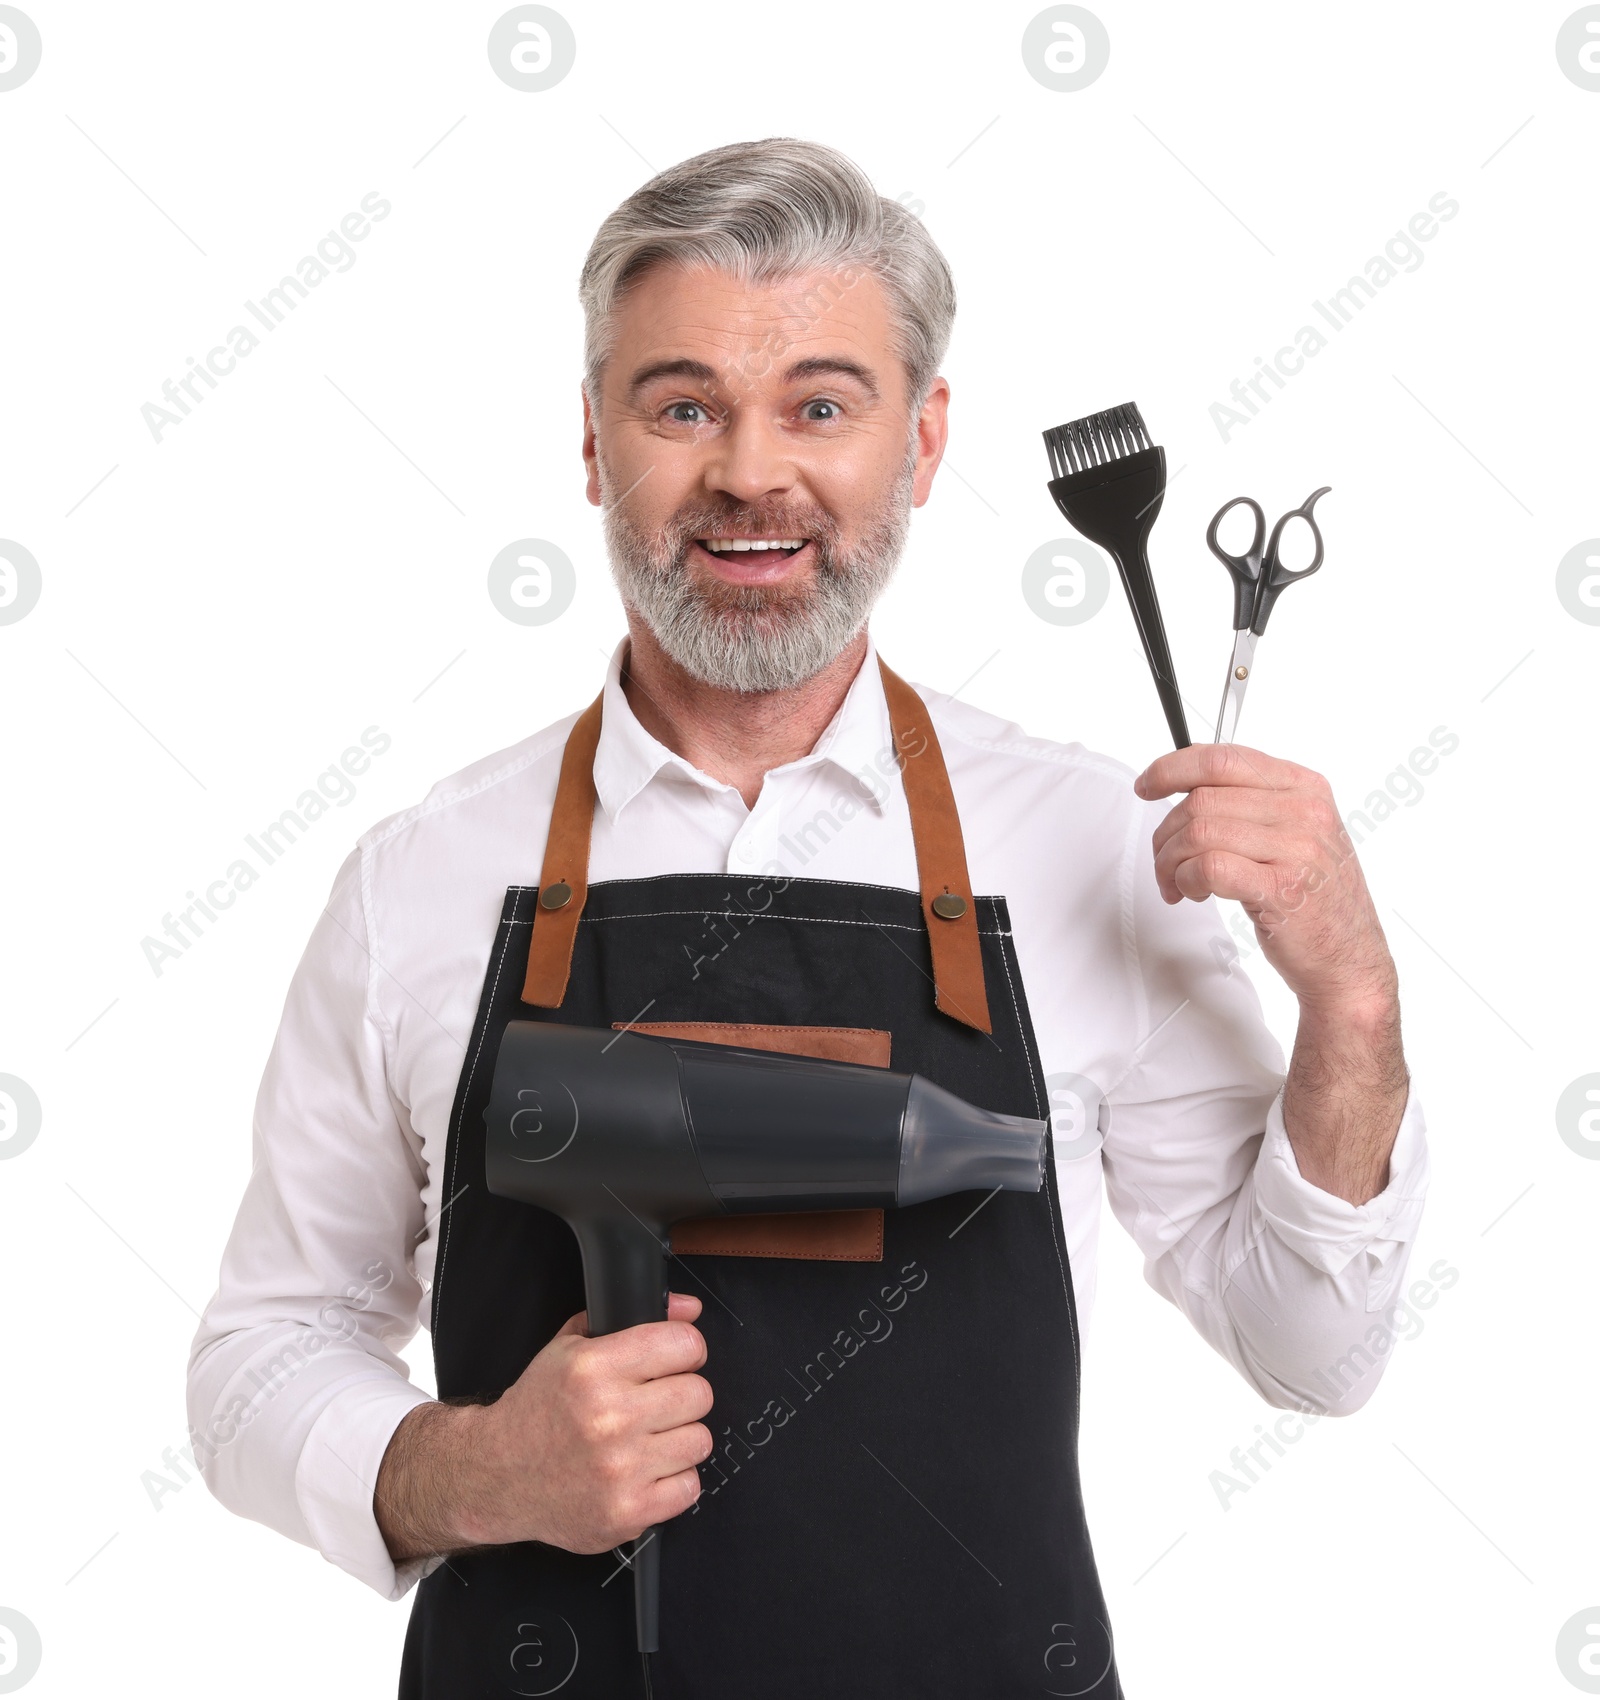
x: 859, y: 1429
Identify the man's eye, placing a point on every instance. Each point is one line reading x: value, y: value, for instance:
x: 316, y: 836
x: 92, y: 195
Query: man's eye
x: 820, y: 412
x: 687, y: 413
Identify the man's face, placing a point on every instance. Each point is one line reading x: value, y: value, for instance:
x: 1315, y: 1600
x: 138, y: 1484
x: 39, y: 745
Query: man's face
x: 736, y: 415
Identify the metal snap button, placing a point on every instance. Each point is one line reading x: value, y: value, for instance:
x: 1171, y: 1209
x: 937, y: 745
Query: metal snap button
x: 949, y: 907
x: 556, y: 896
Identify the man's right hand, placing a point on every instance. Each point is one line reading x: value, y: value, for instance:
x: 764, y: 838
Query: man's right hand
x: 596, y: 1441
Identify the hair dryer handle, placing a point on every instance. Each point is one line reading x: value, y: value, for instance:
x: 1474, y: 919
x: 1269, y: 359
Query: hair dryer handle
x: 624, y: 1272
x: 625, y: 1283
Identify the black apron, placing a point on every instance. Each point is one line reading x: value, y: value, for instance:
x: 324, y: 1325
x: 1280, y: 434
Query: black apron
x: 893, y: 1506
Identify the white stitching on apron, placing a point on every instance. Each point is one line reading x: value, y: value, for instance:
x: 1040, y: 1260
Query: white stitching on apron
x: 455, y: 1156
x: 1034, y: 1066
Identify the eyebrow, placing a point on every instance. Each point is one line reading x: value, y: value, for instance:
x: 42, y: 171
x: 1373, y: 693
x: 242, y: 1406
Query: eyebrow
x: 816, y: 366
x: 830, y: 365
x: 683, y: 368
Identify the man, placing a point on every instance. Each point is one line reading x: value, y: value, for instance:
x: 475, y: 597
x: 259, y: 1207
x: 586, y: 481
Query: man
x: 860, y: 1433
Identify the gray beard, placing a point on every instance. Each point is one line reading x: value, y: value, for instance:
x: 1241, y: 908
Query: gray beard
x: 755, y: 638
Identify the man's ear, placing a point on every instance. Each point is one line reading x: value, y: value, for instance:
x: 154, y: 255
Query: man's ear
x: 933, y: 428
x: 589, y: 458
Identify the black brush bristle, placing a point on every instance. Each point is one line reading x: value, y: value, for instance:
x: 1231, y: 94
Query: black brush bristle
x: 1101, y: 437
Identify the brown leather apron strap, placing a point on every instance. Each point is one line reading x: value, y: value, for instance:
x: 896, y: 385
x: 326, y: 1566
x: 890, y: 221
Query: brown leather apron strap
x: 947, y: 904
x: 564, y: 880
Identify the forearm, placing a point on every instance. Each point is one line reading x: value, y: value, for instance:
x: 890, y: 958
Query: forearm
x: 1268, y: 834
x: 1344, y: 1096
x: 431, y: 1496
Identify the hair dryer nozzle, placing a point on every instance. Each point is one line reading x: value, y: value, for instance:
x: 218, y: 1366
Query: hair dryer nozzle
x: 948, y: 1145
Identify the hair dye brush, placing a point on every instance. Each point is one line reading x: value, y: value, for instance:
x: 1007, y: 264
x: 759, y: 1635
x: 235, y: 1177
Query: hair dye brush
x: 1109, y: 481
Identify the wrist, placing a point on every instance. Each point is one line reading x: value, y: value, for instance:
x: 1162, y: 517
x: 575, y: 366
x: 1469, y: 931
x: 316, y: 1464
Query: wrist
x: 1361, y: 1012
x: 468, y: 1500
x: 1356, y: 1041
x: 1346, y: 1093
x: 434, y: 1493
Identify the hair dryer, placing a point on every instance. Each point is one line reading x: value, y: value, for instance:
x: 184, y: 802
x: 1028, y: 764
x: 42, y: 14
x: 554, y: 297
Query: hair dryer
x: 622, y: 1134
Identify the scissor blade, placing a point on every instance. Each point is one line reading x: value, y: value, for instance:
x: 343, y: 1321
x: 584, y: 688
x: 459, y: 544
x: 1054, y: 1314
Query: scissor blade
x: 1239, y: 671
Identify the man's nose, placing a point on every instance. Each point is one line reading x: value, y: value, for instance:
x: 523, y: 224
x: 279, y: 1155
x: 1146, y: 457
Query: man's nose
x: 750, y: 460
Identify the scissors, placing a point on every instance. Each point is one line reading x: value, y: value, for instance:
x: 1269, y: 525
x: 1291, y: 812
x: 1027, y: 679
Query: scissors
x: 1257, y: 581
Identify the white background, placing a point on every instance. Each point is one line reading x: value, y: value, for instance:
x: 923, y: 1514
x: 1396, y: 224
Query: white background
x: 229, y: 608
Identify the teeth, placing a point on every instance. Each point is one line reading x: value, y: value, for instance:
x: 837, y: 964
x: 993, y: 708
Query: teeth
x: 721, y: 545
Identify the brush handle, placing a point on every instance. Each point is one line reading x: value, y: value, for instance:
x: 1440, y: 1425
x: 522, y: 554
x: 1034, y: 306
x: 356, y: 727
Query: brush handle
x: 1115, y: 503
x: 1153, y: 636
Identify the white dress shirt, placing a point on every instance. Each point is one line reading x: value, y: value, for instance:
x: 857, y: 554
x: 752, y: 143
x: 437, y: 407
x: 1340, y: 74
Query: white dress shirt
x: 294, y: 1384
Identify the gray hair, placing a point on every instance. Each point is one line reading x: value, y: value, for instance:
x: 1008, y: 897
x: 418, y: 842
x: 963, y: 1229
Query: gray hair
x: 765, y: 211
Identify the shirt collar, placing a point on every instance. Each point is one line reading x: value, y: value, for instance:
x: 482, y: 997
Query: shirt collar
x: 858, y: 742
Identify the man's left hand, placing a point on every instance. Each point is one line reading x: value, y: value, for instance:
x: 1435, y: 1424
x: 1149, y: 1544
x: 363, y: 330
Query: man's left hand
x: 1266, y: 833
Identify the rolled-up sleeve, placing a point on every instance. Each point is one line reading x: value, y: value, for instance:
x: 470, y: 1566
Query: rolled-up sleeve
x: 295, y: 1386
x: 1293, y: 1285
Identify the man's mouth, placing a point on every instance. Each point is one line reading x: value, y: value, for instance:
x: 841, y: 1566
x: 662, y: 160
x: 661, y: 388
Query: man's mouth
x: 752, y: 560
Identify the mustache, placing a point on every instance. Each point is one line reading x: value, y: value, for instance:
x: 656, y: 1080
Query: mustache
x: 712, y: 520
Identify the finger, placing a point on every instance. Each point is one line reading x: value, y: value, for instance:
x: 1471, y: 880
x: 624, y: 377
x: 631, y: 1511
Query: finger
x: 650, y: 1350
x: 1268, y: 848
x: 671, y: 1402
x: 1307, y: 815
x: 1215, y: 764
x: 663, y: 1456
x: 681, y: 1307
x: 1218, y: 873
x: 670, y: 1497
x: 1231, y: 803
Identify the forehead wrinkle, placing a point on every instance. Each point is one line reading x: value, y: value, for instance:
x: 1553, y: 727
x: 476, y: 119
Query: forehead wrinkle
x: 738, y: 324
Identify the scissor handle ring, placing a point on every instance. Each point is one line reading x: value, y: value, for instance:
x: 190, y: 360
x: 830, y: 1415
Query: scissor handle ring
x: 1250, y: 559
x: 1274, y: 575
x: 1245, y: 569
x: 1282, y: 575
